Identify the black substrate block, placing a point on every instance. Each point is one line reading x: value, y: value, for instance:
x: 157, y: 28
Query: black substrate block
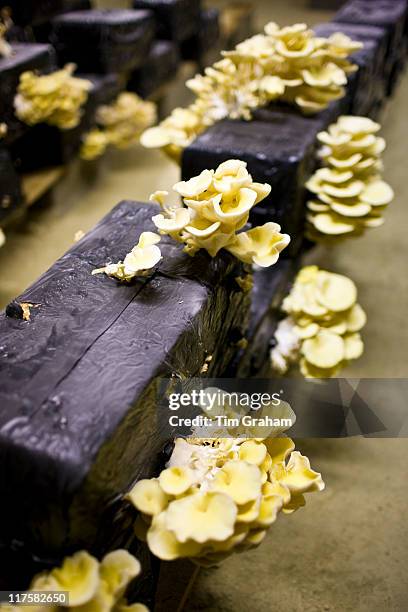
x: 160, y: 67
x: 24, y: 57
x: 176, y: 20
x: 43, y: 30
x: 367, y: 87
x: 237, y: 23
x: 205, y: 46
x: 78, y: 405
x: 271, y: 285
x: 11, y: 197
x: 24, y: 12
x: 44, y: 145
x: 103, y: 40
x: 279, y: 147
x: 388, y: 14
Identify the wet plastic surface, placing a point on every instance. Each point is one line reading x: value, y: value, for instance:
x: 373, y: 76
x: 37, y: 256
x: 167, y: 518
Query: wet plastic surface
x: 159, y: 68
x: 389, y: 14
x: 103, y: 40
x: 78, y: 418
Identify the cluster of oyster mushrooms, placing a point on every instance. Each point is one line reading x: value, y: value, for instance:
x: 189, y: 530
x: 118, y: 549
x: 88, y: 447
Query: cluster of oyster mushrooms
x: 92, y: 586
x: 350, y: 195
x: 216, y: 208
x: 290, y: 64
x: 321, y: 330
x: 220, y: 496
x: 55, y: 98
x: 119, y: 124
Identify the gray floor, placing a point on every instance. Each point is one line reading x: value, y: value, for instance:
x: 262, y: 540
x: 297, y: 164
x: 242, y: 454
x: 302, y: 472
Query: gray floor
x: 347, y: 550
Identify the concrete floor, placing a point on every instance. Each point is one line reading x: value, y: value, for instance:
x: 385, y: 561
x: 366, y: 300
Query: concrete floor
x: 347, y: 550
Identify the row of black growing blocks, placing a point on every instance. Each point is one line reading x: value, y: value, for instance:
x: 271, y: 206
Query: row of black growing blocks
x: 366, y: 88
x: 78, y: 382
x: 103, y: 40
x: 389, y: 14
x: 279, y: 146
x: 160, y: 67
x: 45, y: 145
x: 24, y: 57
x: 177, y: 20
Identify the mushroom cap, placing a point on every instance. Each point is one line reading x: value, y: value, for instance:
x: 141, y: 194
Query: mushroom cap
x: 352, y: 210
x: 201, y: 517
x: 252, y: 452
x: 335, y: 291
x: 196, y: 185
x: 239, y: 480
x: 164, y: 544
x: 279, y: 448
x: 269, y: 509
x: 176, y: 221
x: 353, y: 346
x: 356, y: 318
x: 330, y: 224
x: 79, y: 575
x: 377, y: 193
x: 325, y: 350
x: 148, y: 497
x: 176, y: 480
x: 117, y: 569
x: 297, y: 475
x: 357, y: 125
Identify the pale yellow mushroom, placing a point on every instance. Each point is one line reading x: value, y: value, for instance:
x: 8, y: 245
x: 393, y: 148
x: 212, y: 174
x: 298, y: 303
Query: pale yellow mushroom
x: 353, y: 346
x: 164, y: 544
x: 351, y: 210
x: 143, y: 257
x: 335, y: 291
x: 148, y: 497
x: 330, y: 224
x: 175, y: 221
x: 356, y: 318
x: 117, y: 569
x: 269, y: 509
x: 297, y: 475
x: 79, y: 575
x: 239, y: 480
x: 325, y: 350
x: 201, y: 517
x: 55, y: 98
x: 249, y: 512
x: 196, y: 185
x: 260, y: 245
x: 357, y: 125
x: 377, y: 193
x: 253, y: 452
x: 176, y: 480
